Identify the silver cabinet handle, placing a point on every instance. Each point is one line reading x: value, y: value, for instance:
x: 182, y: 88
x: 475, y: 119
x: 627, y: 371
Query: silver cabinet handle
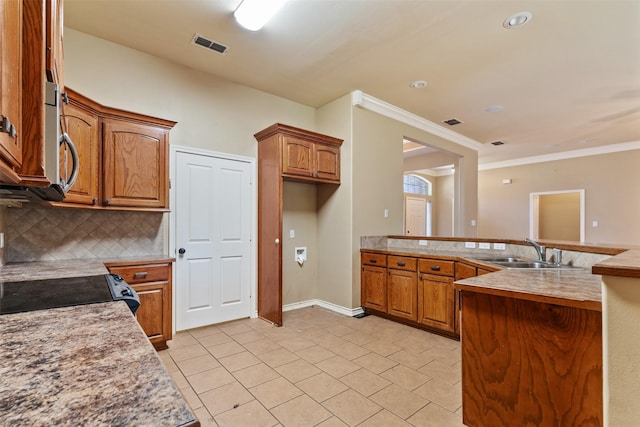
x: 140, y: 274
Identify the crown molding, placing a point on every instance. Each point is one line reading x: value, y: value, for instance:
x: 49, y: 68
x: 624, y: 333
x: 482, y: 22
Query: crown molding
x: 594, y: 151
x: 368, y: 102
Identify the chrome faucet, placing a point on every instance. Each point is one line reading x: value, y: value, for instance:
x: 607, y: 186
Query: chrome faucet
x: 541, y: 250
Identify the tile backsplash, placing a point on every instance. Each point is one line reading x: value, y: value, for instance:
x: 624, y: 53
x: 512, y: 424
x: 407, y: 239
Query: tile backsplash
x: 37, y: 233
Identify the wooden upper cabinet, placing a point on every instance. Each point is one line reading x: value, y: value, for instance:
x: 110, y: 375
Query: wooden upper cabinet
x: 82, y: 126
x: 297, y: 157
x: 306, y: 156
x: 327, y: 162
x: 123, y: 157
x: 11, y: 15
x: 54, y: 52
x: 135, y: 158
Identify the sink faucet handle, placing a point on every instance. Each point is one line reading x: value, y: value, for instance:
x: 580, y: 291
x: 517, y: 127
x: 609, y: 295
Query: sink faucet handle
x: 557, y: 256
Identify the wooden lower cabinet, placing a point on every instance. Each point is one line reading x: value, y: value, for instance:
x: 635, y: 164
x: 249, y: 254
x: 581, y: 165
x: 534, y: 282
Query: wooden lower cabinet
x: 401, y: 294
x: 418, y: 291
x: 374, y: 287
x: 152, y: 282
x: 436, y: 302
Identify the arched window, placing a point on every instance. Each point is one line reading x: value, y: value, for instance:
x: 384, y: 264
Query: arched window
x: 415, y: 184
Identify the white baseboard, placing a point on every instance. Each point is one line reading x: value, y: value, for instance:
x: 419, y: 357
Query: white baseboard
x: 324, y: 304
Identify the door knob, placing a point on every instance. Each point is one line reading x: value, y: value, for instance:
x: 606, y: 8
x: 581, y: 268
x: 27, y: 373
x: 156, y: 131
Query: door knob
x: 181, y: 251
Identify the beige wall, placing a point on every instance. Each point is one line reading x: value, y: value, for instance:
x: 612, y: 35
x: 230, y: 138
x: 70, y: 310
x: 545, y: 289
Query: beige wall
x: 299, y: 283
x: 444, y: 206
x: 611, y: 198
x: 621, y: 350
x: 212, y: 113
x: 335, y: 212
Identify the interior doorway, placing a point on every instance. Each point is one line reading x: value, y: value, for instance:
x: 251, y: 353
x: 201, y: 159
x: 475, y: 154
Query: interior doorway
x: 557, y: 215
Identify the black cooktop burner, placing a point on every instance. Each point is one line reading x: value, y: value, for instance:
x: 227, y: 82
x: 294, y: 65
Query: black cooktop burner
x: 52, y: 293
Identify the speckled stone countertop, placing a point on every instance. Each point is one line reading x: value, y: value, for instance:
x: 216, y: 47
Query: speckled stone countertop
x: 570, y: 288
x: 21, y: 271
x: 626, y: 264
x: 84, y: 365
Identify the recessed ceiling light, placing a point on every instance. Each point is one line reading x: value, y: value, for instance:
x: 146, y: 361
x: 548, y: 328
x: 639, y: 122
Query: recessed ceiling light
x: 493, y: 108
x: 517, y: 20
x: 418, y: 84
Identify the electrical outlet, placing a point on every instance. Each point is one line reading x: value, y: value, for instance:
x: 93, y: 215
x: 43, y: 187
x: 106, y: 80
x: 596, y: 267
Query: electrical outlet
x: 470, y: 245
x: 499, y: 246
x: 423, y: 242
x: 484, y: 245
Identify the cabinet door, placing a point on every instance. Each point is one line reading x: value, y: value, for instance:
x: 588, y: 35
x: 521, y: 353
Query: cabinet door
x: 82, y: 127
x: 152, y: 282
x: 152, y: 312
x: 135, y: 164
x: 436, y: 302
x: 464, y: 271
x: 11, y: 85
x: 402, y: 294
x: 373, y: 282
x: 297, y: 157
x: 327, y: 159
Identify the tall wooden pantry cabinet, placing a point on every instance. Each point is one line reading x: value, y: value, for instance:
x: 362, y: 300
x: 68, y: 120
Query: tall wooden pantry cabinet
x: 292, y: 154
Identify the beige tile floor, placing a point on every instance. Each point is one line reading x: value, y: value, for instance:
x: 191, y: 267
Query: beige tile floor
x: 319, y: 369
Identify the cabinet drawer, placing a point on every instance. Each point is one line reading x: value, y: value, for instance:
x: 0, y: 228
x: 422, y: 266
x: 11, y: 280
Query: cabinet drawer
x: 401, y: 263
x: 436, y: 266
x: 373, y: 259
x: 143, y: 273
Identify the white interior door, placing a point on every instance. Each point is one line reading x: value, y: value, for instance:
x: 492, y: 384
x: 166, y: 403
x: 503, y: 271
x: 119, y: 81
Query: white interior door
x: 213, y: 237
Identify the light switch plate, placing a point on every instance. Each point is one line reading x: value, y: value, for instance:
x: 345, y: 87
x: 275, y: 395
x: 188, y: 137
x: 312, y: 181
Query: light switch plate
x: 499, y: 246
x: 484, y: 245
x: 470, y: 245
x: 423, y: 242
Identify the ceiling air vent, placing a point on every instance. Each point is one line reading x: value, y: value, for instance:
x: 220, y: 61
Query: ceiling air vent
x: 209, y: 44
x: 452, y: 122
x: 497, y: 143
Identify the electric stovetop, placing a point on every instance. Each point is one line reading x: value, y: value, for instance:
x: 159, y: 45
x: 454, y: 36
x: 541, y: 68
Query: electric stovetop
x: 52, y: 293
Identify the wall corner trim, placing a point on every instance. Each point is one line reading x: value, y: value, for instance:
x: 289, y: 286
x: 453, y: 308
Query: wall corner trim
x: 368, y: 102
x: 324, y: 304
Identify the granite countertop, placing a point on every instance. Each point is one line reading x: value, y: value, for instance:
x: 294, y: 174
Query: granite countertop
x: 570, y: 288
x: 84, y: 365
x: 626, y: 264
x: 40, y: 270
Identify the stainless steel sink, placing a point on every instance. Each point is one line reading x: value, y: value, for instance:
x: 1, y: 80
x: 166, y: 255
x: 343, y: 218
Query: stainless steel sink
x: 513, y: 262
x: 532, y: 264
x: 501, y: 259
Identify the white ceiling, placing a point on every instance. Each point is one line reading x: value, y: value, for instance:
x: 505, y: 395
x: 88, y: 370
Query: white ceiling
x: 568, y: 80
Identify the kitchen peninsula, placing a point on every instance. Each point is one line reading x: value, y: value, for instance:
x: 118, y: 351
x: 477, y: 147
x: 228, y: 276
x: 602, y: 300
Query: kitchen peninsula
x: 531, y: 338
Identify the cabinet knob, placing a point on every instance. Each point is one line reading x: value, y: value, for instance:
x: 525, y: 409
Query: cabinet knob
x: 95, y: 200
x: 107, y: 202
x: 277, y: 241
x: 181, y: 251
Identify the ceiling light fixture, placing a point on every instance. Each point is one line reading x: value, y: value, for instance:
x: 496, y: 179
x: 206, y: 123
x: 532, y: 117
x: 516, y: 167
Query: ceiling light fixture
x: 517, y: 20
x: 253, y: 14
x: 418, y: 84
